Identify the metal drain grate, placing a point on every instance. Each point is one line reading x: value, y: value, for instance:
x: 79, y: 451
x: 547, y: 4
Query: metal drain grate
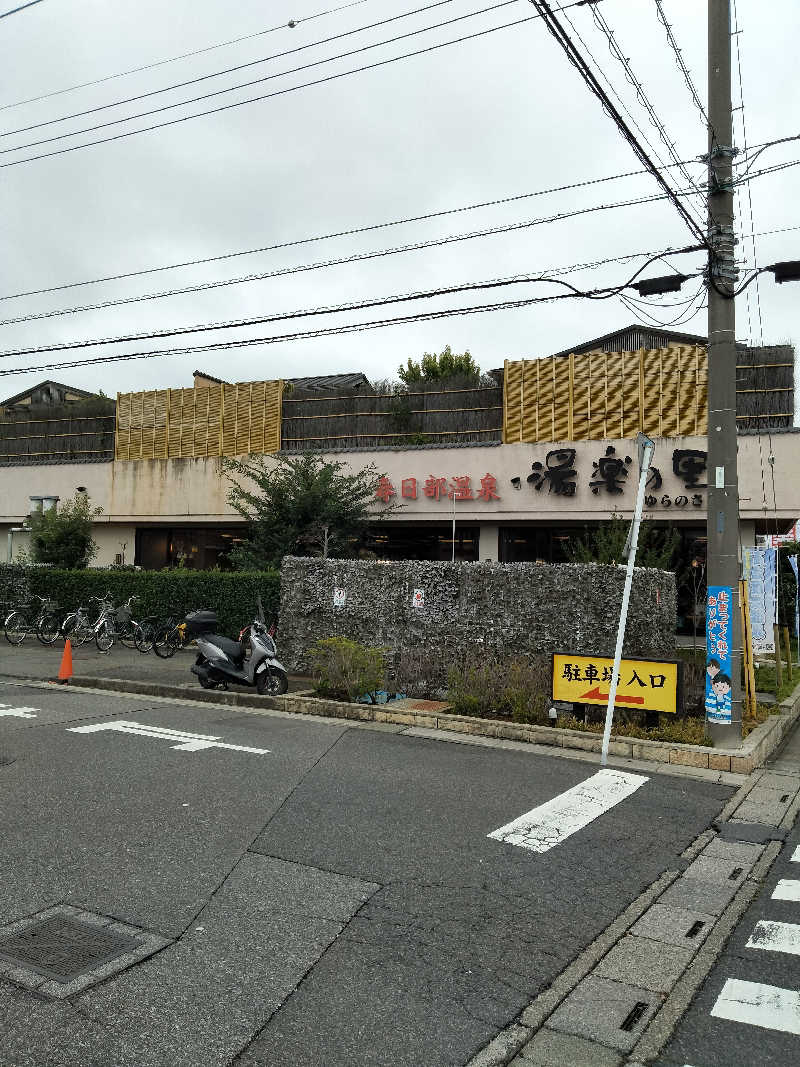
x: 64, y: 948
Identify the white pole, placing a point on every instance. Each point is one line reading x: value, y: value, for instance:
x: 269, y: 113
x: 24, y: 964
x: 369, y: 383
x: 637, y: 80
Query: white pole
x: 453, y: 558
x: 645, y: 458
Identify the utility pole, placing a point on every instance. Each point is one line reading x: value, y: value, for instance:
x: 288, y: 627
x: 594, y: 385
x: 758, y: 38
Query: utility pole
x: 723, y: 483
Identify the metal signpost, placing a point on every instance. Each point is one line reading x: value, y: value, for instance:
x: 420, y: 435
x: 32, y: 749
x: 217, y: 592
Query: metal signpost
x: 646, y: 450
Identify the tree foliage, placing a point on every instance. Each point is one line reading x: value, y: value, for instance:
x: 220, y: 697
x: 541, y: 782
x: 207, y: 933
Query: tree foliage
x: 63, y: 536
x: 295, y: 504
x: 434, y: 368
x: 605, y: 543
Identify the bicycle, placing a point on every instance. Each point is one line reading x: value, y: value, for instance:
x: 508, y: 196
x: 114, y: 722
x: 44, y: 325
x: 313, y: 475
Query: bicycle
x: 25, y: 619
x: 77, y: 625
x: 168, y: 637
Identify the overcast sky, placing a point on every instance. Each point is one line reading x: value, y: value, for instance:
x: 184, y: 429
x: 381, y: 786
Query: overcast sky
x: 497, y: 116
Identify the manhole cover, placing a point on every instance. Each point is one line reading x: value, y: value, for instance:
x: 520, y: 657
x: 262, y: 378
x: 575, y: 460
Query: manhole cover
x: 64, y: 948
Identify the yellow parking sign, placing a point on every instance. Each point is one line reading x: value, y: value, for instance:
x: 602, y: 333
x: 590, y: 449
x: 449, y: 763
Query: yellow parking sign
x: 648, y: 684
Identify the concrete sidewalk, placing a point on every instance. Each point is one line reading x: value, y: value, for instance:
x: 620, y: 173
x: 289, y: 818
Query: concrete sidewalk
x: 34, y: 660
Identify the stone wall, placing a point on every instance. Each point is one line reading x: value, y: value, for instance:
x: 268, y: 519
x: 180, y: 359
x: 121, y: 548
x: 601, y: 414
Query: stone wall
x: 504, y: 608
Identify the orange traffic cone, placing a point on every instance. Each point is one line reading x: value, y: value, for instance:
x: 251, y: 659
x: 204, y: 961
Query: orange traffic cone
x: 65, y: 670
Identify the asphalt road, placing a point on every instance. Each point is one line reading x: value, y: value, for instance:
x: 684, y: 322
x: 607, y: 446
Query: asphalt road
x: 333, y: 900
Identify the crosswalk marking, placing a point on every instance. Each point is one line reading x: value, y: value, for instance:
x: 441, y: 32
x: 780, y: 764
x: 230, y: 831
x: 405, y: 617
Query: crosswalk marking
x: 787, y: 889
x: 557, y: 819
x: 776, y: 937
x: 795, y: 857
x: 756, y: 1004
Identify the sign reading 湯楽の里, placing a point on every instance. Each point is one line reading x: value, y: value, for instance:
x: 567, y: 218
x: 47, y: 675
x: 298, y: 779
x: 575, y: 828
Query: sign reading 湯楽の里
x: 650, y: 685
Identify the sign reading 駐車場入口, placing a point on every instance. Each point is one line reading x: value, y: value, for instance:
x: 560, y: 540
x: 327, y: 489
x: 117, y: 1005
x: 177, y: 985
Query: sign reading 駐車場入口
x: 650, y: 685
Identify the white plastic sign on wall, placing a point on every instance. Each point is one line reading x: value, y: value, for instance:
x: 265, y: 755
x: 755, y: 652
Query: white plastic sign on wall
x: 339, y: 597
x: 418, y: 599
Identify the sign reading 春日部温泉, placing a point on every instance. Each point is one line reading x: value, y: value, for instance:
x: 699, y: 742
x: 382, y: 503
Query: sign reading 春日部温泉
x: 719, y: 640
x: 646, y: 684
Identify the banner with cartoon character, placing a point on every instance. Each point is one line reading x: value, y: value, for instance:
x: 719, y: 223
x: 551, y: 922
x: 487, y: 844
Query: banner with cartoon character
x: 719, y: 640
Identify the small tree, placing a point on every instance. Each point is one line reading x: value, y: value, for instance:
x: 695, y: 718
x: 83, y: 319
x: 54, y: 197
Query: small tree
x: 605, y: 543
x: 433, y: 367
x: 63, y: 537
x: 300, y: 505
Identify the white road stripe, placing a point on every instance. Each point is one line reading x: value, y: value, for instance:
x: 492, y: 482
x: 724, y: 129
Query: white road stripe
x: 776, y: 937
x: 767, y: 1006
x: 187, y: 742
x: 787, y: 889
x: 552, y: 822
x: 19, y: 713
x: 796, y: 855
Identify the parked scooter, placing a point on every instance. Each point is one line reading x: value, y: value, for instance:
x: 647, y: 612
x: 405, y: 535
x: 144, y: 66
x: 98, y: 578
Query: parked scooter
x: 221, y: 661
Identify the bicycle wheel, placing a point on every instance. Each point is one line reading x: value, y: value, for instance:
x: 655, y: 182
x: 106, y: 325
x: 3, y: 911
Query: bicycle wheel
x: 104, y: 636
x: 165, y: 641
x: 142, y: 637
x: 17, y: 628
x: 77, y: 629
x: 128, y: 635
x: 48, y: 629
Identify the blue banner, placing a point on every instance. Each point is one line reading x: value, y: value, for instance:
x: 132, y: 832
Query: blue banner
x: 719, y: 641
x: 793, y: 565
x: 761, y: 572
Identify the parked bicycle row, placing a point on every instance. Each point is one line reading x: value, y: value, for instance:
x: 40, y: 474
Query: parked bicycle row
x: 100, y: 620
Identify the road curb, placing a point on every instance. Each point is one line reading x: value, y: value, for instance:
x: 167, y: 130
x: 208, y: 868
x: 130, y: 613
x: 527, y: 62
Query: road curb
x: 757, y: 748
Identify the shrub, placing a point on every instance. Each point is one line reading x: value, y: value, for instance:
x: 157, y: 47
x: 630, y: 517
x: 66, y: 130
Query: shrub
x: 347, y: 670
x: 516, y: 687
x: 234, y: 596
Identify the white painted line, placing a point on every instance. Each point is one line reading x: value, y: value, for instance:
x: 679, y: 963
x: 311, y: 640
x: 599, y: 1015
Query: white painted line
x: 776, y: 937
x: 767, y: 1006
x: 187, y: 742
x: 796, y: 855
x: 559, y: 818
x: 19, y: 713
x: 787, y: 889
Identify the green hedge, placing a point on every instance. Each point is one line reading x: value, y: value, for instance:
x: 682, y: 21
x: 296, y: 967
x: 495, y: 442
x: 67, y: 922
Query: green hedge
x: 233, y: 595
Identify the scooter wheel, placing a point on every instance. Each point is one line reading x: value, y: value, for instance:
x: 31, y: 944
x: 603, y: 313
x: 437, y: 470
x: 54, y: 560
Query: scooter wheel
x: 271, y: 683
x: 207, y: 683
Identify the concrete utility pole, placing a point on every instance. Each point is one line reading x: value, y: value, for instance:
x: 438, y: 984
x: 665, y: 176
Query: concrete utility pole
x: 723, y: 483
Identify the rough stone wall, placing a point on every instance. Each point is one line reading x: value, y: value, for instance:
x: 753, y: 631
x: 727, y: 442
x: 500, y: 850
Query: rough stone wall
x: 506, y: 608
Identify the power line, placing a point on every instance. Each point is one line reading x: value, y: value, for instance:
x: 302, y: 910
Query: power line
x: 278, y: 92
x: 329, y: 331
x: 184, y: 55
x: 244, y: 66
x: 260, y: 320
x: 560, y: 34
x: 687, y: 77
x: 655, y: 120
x: 356, y: 257
x: 21, y: 7
x: 327, y: 236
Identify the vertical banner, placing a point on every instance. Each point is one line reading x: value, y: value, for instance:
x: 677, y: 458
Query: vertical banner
x: 719, y: 640
x: 761, y: 574
x: 793, y: 565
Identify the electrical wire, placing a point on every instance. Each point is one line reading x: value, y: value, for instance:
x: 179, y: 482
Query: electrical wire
x: 323, y: 332
x: 251, y: 63
x: 616, y: 51
x: 21, y: 7
x: 267, y: 96
x: 562, y: 37
x: 260, y: 320
x: 357, y: 257
x: 687, y: 77
x: 184, y: 55
x: 325, y: 236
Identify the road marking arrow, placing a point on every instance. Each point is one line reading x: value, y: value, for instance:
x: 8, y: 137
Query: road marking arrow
x: 595, y: 694
x: 19, y: 713
x: 187, y: 742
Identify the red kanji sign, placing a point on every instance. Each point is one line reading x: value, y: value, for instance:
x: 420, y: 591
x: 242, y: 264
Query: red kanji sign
x: 460, y: 488
x: 385, y: 490
x: 435, y: 487
x: 408, y: 488
x: 488, y: 488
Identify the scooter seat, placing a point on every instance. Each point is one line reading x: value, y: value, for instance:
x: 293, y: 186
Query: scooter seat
x: 232, y: 649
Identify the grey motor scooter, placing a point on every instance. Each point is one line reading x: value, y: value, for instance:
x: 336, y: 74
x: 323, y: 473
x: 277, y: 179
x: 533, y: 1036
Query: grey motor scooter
x: 221, y: 661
